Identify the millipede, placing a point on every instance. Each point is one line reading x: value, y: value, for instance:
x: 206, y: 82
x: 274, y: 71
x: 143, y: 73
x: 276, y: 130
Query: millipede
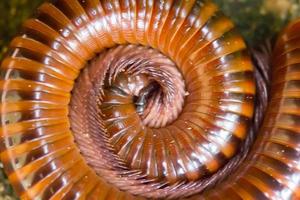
x: 146, y: 99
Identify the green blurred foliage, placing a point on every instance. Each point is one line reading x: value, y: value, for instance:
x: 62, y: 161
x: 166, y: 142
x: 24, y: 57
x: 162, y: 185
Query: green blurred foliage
x: 255, y: 19
x: 12, y: 14
x: 6, y: 191
x: 258, y: 20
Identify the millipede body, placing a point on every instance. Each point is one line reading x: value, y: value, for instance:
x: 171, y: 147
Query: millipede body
x: 146, y: 99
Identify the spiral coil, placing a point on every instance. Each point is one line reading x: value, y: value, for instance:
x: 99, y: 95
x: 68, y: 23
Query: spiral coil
x: 144, y: 99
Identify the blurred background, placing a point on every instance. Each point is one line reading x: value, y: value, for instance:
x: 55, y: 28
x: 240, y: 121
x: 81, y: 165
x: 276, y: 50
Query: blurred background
x: 257, y: 20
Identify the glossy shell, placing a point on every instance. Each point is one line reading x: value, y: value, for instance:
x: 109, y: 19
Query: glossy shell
x: 271, y: 171
x: 163, y: 100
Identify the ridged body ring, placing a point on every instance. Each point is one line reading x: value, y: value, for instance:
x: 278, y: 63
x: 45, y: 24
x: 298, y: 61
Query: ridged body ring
x: 145, y: 99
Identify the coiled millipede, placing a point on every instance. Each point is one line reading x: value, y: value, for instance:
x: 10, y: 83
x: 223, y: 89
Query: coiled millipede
x: 137, y: 99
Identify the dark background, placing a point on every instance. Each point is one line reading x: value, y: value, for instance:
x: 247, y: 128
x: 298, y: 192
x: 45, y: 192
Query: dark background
x: 257, y: 20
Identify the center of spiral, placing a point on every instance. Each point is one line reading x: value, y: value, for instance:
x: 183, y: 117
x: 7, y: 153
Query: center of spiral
x: 133, y: 121
x: 141, y: 101
x: 146, y: 78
